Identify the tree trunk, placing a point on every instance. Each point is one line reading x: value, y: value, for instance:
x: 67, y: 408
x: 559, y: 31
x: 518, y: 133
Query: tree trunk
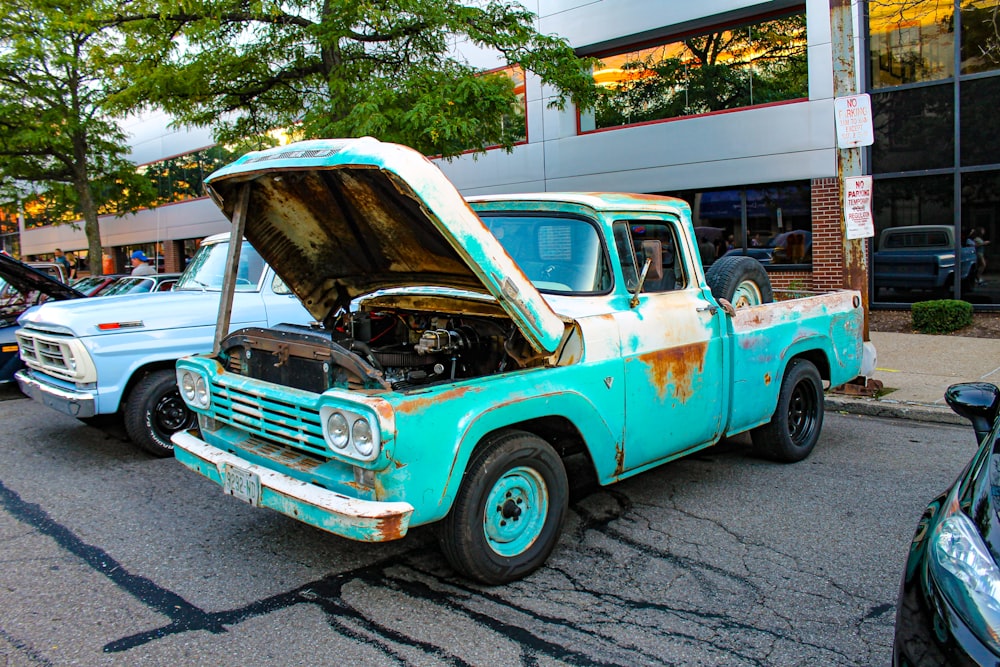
x: 92, y: 227
x: 91, y: 223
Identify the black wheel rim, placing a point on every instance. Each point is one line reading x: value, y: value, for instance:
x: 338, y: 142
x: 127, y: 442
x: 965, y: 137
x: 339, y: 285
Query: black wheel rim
x: 802, y: 413
x: 171, y: 415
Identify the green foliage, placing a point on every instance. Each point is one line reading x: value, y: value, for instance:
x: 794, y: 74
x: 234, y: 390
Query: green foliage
x: 341, y: 68
x: 941, y: 316
x: 61, y: 151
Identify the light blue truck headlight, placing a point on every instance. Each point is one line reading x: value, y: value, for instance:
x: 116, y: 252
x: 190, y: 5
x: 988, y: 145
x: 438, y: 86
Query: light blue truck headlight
x: 350, y: 433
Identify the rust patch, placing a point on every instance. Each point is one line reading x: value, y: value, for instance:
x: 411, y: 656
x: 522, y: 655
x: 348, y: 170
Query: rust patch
x: 418, y: 404
x: 767, y: 379
x: 619, y: 458
x: 675, y: 368
x: 390, y: 528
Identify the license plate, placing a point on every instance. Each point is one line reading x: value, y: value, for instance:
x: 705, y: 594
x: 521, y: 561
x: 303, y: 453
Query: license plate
x: 241, y: 483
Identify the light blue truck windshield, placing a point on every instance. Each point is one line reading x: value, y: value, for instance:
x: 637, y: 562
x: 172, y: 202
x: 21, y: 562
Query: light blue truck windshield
x: 208, y: 266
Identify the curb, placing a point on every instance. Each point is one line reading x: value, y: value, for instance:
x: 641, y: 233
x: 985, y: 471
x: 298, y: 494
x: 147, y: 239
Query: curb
x: 881, y: 408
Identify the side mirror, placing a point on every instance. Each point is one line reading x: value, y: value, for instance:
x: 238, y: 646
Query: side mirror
x: 653, y: 251
x: 976, y: 401
x: 652, y: 268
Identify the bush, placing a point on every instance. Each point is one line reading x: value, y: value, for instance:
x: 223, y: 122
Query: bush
x: 941, y: 316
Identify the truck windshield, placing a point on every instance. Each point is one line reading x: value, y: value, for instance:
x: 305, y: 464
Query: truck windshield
x: 208, y: 266
x: 557, y: 253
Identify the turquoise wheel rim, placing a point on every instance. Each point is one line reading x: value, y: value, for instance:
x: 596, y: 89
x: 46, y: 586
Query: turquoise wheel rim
x: 515, y: 511
x: 747, y: 294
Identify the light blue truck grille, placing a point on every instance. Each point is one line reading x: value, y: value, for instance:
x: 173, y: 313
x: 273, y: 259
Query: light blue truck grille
x: 276, y: 421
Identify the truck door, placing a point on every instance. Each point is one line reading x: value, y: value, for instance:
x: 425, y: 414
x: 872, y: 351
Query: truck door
x: 673, y: 351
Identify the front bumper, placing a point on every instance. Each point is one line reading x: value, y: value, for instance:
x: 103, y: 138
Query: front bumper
x: 74, y: 403
x: 353, y: 518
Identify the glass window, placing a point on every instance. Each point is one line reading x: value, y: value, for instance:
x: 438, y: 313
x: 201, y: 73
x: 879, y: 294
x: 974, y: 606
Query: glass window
x: 911, y: 41
x: 980, y: 35
x: 207, y: 268
x: 980, y: 100
x: 557, y: 254
x: 914, y: 129
x: 910, y: 262
x: 981, y: 219
x: 778, y: 230
x: 632, y: 240
x: 726, y: 69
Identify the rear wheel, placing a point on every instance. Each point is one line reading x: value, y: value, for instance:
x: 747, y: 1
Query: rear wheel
x: 509, y: 511
x: 155, y: 410
x: 740, y: 280
x: 794, y: 428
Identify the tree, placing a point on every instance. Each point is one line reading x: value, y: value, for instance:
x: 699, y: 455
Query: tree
x: 60, y: 148
x: 339, y: 68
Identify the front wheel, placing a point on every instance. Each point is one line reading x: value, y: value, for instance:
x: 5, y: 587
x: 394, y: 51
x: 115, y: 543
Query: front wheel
x: 509, y: 511
x: 794, y: 428
x: 154, y: 411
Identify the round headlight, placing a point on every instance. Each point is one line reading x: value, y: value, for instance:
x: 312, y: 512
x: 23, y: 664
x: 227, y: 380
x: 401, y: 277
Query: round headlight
x: 187, y: 386
x: 364, y: 443
x: 201, y: 396
x: 337, y: 430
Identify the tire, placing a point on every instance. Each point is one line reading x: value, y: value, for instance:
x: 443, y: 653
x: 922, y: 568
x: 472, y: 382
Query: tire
x: 154, y: 410
x: 740, y: 280
x: 509, y: 511
x: 794, y: 428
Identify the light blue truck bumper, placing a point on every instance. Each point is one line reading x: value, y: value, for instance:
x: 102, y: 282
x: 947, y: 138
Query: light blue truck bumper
x: 81, y: 404
x: 363, y: 520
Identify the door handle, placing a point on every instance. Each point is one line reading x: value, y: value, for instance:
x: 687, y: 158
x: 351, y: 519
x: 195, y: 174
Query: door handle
x: 711, y: 310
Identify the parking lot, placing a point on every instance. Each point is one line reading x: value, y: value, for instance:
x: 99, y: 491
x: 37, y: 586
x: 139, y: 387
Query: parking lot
x: 113, y: 557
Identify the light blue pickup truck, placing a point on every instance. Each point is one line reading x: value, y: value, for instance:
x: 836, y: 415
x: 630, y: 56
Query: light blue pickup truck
x: 466, y: 349
x: 116, y: 354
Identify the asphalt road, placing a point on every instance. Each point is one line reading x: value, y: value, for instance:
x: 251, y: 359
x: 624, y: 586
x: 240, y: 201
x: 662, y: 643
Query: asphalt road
x: 108, y: 556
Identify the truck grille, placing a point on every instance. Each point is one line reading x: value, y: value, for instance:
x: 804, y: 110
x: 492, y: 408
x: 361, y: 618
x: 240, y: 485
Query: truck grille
x: 269, y: 419
x: 46, y: 353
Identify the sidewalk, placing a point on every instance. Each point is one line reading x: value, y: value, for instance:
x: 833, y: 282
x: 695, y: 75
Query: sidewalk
x: 916, y: 369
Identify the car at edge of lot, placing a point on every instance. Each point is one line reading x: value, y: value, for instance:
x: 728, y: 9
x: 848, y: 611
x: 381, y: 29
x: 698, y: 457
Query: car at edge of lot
x: 948, y: 611
x: 21, y: 287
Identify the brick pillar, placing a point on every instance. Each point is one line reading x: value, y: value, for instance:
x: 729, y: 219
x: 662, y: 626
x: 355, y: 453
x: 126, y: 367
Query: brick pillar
x: 173, y: 256
x: 828, y: 246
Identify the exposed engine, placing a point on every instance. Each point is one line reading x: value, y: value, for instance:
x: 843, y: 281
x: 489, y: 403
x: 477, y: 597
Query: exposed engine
x: 390, y: 350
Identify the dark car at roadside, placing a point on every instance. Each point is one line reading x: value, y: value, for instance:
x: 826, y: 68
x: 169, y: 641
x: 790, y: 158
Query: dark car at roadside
x: 948, y: 611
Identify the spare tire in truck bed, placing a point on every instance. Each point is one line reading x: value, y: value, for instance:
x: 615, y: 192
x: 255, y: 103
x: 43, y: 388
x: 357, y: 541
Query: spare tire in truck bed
x: 739, y: 280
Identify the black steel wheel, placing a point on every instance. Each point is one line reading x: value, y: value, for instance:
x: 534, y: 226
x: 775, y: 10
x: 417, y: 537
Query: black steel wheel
x: 794, y: 428
x: 154, y: 410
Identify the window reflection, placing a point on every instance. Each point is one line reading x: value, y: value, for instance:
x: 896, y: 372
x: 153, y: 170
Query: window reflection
x: 980, y: 142
x: 726, y: 69
x: 980, y: 36
x: 914, y: 129
x: 911, y: 41
x: 908, y: 267
x: 778, y: 230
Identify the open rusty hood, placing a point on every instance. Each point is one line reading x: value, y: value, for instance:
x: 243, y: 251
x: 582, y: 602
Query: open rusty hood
x: 343, y: 218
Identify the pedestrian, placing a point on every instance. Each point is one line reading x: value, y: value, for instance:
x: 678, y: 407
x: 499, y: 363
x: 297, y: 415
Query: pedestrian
x: 140, y: 264
x: 981, y: 243
x: 62, y: 262
x: 74, y: 265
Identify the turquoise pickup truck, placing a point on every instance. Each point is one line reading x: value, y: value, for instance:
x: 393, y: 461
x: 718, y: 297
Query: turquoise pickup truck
x: 466, y: 349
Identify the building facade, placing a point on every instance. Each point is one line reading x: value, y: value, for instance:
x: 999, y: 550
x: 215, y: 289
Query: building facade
x: 728, y: 104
